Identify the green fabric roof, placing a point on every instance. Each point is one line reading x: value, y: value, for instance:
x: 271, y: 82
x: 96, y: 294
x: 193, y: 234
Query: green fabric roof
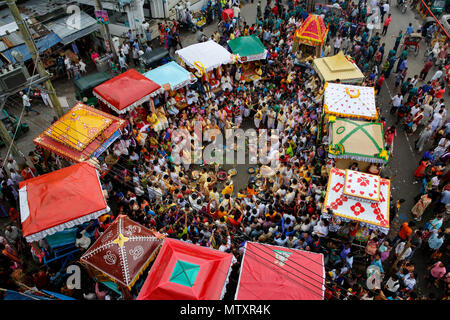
x: 359, y: 139
x: 184, y: 273
x: 246, y: 46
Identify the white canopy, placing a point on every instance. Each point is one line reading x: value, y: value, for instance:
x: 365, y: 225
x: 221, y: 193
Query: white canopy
x: 210, y: 54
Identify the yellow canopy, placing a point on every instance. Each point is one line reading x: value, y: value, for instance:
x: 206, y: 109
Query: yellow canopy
x: 336, y: 67
x: 78, y: 128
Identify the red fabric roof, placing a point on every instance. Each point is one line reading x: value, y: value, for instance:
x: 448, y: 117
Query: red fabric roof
x: 59, y: 197
x: 288, y: 274
x: 125, y: 89
x: 213, y: 268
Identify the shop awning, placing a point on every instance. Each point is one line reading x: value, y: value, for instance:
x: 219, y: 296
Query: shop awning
x: 66, y: 30
x: 44, y: 43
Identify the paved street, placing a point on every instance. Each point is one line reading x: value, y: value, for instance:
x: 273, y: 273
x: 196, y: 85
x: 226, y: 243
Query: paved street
x: 402, y: 164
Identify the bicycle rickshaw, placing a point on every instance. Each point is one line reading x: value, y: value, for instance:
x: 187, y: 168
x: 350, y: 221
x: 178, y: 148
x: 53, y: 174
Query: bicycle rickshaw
x: 413, y: 41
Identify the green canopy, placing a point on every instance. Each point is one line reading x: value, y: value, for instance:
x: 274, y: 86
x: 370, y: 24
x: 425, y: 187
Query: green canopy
x: 248, y: 48
x: 357, y: 140
x: 91, y: 81
x: 184, y: 273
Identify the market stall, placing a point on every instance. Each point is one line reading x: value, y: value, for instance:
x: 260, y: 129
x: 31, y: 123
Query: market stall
x: 310, y: 37
x: 122, y: 252
x: 348, y: 101
x: 81, y: 133
x: 126, y: 91
x: 279, y: 273
x: 358, y: 196
x: 176, y: 77
x: 206, y: 60
x: 340, y: 66
x: 184, y: 271
x: 249, y: 50
x: 356, y: 141
x: 60, y: 200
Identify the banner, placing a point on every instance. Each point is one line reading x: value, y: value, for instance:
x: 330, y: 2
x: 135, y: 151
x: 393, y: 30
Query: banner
x: 101, y: 16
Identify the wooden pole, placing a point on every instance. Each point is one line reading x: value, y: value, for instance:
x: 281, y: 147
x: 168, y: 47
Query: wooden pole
x: 31, y: 46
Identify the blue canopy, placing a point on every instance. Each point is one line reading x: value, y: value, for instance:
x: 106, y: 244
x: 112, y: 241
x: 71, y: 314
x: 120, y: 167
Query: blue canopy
x: 58, y: 296
x: 14, y: 295
x: 44, y: 43
x: 171, y: 73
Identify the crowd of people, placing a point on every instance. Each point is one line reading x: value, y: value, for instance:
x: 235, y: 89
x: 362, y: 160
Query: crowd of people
x: 285, y: 210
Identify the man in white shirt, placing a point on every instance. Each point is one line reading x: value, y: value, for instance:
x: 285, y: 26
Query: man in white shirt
x: 224, y: 247
x: 27, y: 104
x: 337, y: 44
x: 82, y: 241
x: 396, y: 102
x: 437, y: 75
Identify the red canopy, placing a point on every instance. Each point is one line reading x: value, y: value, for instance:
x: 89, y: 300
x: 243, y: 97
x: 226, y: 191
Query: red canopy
x: 184, y: 271
x: 126, y: 91
x: 126, y: 244
x: 61, y: 199
x: 279, y: 273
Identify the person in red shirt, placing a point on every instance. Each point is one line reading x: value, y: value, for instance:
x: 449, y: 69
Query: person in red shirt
x: 28, y: 173
x: 379, y: 83
x: 426, y: 69
x: 386, y: 24
x: 439, y: 92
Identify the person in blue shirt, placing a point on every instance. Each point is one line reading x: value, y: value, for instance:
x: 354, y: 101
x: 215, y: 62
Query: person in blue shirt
x: 426, y: 87
x: 377, y: 262
x: 409, y: 29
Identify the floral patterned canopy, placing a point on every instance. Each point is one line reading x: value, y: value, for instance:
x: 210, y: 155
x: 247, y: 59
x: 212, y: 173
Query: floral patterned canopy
x: 350, y: 101
x: 353, y: 195
x: 123, y: 251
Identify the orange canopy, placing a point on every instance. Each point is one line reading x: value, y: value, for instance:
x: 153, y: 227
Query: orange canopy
x: 81, y: 133
x: 312, y: 31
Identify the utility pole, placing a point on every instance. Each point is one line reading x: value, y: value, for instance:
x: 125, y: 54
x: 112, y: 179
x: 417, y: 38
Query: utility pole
x: 310, y: 6
x: 105, y: 32
x: 23, y: 28
x: 9, y: 143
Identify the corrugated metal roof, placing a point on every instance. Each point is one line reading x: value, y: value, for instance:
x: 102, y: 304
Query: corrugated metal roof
x: 14, y: 39
x: 69, y: 33
x: 6, y: 17
x: 42, y: 44
x: 42, y: 7
x: 3, y: 46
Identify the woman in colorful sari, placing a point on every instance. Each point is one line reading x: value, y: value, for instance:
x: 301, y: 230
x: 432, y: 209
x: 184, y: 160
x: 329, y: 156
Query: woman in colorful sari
x: 420, y: 207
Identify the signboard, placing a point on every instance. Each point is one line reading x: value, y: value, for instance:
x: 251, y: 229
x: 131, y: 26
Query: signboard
x: 101, y: 16
x: 107, y: 143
